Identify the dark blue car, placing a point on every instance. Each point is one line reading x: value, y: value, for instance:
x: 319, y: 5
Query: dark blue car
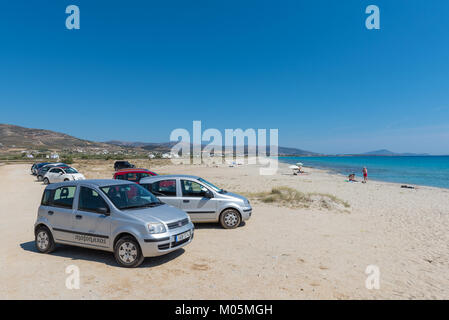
x: 36, y: 166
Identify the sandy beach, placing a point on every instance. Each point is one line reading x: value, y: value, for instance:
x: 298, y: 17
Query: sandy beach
x: 280, y: 253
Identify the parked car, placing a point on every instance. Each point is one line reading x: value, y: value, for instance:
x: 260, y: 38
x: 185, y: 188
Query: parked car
x: 43, y: 170
x: 36, y: 166
x: 203, y: 201
x: 59, y: 174
x: 110, y: 215
x: 133, y: 175
x: 122, y: 165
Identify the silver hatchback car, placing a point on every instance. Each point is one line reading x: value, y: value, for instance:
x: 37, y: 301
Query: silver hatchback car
x: 203, y: 201
x: 110, y: 215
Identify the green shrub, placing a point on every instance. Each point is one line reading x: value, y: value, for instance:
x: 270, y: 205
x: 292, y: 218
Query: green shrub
x: 67, y: 160
x: 290, y: 197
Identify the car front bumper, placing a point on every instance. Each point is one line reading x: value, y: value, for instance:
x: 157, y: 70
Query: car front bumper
x: 246, y: 213
x: 165, y: 243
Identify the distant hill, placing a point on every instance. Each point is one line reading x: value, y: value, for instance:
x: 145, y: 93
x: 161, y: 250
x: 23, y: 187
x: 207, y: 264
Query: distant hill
x: 166, y: 146
x: 16, y: 137
x: 385, y: 152
x: 148, y: 146
x: 286, y: 151
x: 126, y: 143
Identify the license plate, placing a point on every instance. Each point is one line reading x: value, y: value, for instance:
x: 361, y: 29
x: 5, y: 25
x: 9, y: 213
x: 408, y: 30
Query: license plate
x: 182, y: 236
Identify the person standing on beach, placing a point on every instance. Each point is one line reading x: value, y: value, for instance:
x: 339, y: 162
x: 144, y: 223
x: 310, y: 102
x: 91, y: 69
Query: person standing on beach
x: 365, y: 174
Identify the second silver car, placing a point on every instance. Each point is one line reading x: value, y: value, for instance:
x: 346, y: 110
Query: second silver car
x: 203, y: 201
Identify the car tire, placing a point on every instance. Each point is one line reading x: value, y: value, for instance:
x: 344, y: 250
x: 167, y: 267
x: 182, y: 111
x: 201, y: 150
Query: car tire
x: 127, y: 252
x: 66, y: 179
x: 46, y: 181
x: 230, y: 219
x: 39, y: 178
x: 44, y: 240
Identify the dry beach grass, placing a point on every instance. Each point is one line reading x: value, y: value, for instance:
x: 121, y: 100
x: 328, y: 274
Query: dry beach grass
x: 291, y: 198
x: 294, y: 247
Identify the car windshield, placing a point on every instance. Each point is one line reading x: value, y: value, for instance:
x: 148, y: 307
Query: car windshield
x: 217, y: 189
x: 70, y: 170
x: 130, y: 196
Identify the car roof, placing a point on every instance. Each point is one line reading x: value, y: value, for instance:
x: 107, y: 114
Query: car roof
x: 56, y: 164
x: 168, y: 176
x: 50, y: 166
x: 91, y: 182
x: 132, y: 170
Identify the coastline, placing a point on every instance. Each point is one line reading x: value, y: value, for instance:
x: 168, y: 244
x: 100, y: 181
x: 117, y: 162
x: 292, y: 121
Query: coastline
x: 338, y: 175
x: 341, y: 177
x: 335, y: 171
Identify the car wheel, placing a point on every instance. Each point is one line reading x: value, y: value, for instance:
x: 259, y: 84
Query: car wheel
x: 127, y: 253
x: 66, y: 179
x: 46, y: 181
x: 39, y: 178
x: 230, y: 219
x: 44, y: 240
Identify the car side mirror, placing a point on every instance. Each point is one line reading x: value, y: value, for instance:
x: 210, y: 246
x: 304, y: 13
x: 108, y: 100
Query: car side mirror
x: 209, y: 194
x: 103, y: 210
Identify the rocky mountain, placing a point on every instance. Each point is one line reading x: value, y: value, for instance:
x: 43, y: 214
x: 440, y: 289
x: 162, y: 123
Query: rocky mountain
x: 16, y: 137
x: 21, y: 138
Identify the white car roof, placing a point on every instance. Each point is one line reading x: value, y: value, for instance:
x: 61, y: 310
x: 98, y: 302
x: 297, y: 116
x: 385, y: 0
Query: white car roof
x: 91, y: 182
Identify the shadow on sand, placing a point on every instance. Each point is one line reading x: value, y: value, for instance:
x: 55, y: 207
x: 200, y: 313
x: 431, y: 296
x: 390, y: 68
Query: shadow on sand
x: 214, y: 225
x: 78, y: 253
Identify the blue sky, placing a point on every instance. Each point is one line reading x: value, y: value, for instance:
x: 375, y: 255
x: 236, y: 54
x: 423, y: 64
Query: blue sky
x: 136, y: 70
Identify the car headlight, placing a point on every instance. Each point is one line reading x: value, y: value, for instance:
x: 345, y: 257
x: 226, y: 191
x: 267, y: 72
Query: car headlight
x: 156, y: 228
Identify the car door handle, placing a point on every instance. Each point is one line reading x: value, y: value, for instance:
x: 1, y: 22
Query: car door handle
x: 50, y: 213
x: 79, y: 217
x: 186, y: 201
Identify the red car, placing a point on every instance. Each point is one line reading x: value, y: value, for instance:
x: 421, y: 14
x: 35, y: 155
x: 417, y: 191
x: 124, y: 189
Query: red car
x: 133, y: 174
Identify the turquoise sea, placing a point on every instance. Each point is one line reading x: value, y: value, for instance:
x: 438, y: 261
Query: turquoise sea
x: 415, y: 170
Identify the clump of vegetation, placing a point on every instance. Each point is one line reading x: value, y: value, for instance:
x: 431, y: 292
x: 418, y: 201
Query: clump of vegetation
x: 289, y: 197
x: 67, y: 160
